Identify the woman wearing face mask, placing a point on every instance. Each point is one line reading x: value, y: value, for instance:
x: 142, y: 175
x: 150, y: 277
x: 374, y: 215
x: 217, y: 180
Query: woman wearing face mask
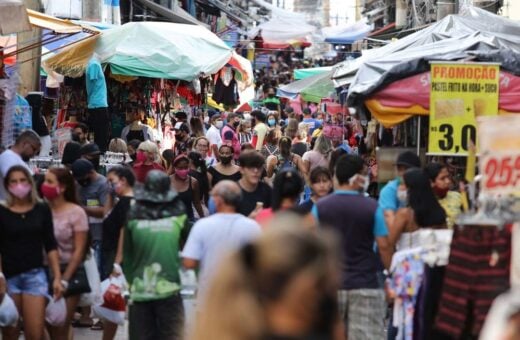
x: 450, y: 201
x: 121, y: 180
x: 272, y: 122
x: 225, y: 169
x: 70, y: 229
x: 321, y: 185
x: 22, y: 260
x: 146, y: 160
x: 186, y: 186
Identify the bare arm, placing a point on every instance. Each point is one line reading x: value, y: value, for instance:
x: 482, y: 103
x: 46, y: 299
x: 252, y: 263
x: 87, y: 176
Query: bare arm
x: 271, y: 164
x: 196, y: 197
x: 119, y: 253
x: 389, y: 217
x: 54, y: 264
x: 80, y: 245
x: 385, y: 250
x: 400, y: 220
x: 98, y: 212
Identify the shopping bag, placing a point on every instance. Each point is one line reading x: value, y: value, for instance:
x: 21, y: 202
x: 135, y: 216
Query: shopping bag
x: 56, y: 312
x: 113, y: 307
x: 8, y: 312
x: 94, y: 281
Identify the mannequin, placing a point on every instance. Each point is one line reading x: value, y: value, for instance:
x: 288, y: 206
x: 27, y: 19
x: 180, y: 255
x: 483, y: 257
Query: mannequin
x: 98, y: 102
x: 136, y: 129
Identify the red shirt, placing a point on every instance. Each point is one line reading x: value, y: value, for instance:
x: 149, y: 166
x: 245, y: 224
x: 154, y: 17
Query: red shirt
x: 141, y: 170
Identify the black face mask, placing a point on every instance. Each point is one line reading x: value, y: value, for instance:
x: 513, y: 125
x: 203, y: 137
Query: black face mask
x: 178, y: 137
x: 236, y: 124
x: 84, y: 182
x: 225, y: 159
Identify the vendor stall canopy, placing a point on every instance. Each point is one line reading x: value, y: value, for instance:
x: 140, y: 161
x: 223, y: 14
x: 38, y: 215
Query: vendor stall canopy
x: 148, y: 49
x: 312, y: 89
x: 475, y: 35
x: 347, y: 33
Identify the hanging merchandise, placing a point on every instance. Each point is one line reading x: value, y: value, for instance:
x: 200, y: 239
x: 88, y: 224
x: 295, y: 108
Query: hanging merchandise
x: 226, y: 94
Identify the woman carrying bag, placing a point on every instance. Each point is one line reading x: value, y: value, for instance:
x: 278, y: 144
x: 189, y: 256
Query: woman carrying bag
x: 70, y: 229
x: 25, y: 230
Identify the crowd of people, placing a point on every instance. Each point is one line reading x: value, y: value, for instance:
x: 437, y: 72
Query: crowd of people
x: 248, y: 200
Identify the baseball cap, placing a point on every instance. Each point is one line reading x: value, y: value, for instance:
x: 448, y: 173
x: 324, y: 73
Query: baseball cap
x: 89, y: 149
x: 182, y: 127
x: 81, y: 167
x: 408, y: 159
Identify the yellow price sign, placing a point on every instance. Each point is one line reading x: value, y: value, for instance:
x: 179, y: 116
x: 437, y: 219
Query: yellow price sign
x: 460, y: 92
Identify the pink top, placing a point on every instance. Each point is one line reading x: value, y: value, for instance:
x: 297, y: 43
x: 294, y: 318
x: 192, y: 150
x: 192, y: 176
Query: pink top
x: 264, y: 216
x: 315, y: 159
x: 66, y: 223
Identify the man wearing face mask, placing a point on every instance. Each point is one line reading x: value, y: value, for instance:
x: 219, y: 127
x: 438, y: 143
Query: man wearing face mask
x: 27, y: 146
x: 272, y: 102
x: 230, y: 135
x: 392, y: 197
x: 213, y: 133
x: 91, y: 153
x: 349, y: 211
x: 93, y: 192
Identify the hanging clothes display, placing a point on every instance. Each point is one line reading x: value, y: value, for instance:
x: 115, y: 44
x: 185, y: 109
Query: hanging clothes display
x: 477, y: 272
x: 226, y: 88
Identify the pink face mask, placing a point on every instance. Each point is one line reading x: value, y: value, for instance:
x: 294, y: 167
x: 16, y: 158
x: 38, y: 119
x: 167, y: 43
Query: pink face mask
x: 20, y: 190
x: 141, y: 156
x: 182, y: 174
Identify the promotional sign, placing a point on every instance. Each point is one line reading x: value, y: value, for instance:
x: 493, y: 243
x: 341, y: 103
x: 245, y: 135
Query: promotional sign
x: 460, y: 92
x: 499, y: 161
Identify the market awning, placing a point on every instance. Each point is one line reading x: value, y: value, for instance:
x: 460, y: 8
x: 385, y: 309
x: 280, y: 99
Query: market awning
x: 303, y: 73
x: 347, y: 34
x: 53, y: 24
x: 312, y: 89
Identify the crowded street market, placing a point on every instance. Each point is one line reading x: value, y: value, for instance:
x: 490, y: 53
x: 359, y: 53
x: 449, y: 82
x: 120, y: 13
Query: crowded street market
x: 260, y: 171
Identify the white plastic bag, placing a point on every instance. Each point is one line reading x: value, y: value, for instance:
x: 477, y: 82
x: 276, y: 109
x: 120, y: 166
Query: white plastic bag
x: 94, y: 281
x: 56, y: 312
x: 113, y: 307
x: 8, y: 312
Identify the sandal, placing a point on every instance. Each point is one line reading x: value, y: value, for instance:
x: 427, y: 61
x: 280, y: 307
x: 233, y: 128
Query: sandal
x: 98, y: 326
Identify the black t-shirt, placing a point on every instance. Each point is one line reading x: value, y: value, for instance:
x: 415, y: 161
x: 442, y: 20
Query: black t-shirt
x: 249, y: 199
x: 114, y: 222
x: 24, y: 237
x: 299, y: 149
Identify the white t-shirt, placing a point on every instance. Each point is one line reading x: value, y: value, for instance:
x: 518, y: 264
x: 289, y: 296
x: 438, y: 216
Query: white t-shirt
x: 214, y: 236
x: 9, y: 159
x: 213, y: 135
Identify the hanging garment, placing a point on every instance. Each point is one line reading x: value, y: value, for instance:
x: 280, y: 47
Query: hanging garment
x: 227, y: 95
x: 477, y: 272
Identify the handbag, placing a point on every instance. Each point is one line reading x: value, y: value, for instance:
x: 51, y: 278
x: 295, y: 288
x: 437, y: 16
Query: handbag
x: 78, y: 283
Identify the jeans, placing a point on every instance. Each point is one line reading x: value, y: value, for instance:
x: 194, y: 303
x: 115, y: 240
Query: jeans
x: 157, y: 320
x: 32, y: 282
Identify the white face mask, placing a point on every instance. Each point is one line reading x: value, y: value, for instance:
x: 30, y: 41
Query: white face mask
x: 206, y: 120
x: 402, y: 197
x: 219, y: 124
x: 366, y: 182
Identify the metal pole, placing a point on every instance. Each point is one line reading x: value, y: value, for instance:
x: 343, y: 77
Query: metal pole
x: 418, y: 135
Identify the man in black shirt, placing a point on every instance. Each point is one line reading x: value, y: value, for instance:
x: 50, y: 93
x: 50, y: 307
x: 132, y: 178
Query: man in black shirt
x: 255, y: 193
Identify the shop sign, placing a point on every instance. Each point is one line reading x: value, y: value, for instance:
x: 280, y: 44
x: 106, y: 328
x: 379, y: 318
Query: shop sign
x: 460, y: 93
x: 499, y: 161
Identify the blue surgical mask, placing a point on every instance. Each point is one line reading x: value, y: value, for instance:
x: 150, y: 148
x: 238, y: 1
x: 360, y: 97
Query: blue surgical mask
x: 271, y: 122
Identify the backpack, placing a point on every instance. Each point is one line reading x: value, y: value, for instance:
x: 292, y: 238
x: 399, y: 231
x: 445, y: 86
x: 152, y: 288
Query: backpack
x: 285, y: 163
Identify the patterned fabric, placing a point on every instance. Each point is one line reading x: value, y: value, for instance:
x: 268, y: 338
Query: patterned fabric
x: 363, y: 311
x: 477, y: 272
x: 407, y: 275
x: 452, y: 204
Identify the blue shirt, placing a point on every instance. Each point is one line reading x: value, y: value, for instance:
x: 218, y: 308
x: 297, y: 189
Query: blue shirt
x: 388, y: 196
x: 312, y: 124
x: 96, y: 86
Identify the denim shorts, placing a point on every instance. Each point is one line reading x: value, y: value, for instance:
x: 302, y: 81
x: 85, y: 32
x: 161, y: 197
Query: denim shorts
x: 32, y: 282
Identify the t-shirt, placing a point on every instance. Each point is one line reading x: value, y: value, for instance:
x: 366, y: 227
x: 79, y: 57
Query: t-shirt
x: 141, y: 170
x: 228, y: 134
x: 66, y: 223
x: 452, y: 205
x: 212, y: 237
x: 249, y: 199
x: 151, y: 253
x: 8, y: 159
x: 96, y: 86
x: 315, y: 159
x: 358, y: 220
x: 213, y: 135
x: 259, y: 133
x: 312, y: 124
x: 388, y: 196
x: 271, y: 103
x: 23, y: 237
x: 113, y: 223
x: 95, y: 195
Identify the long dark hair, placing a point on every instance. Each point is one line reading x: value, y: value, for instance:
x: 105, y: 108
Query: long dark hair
x: 287, y: 184
x: 200, y: 164
x: 428, y: 211
x: 66, y: 179
x: 433, y: 170
x: 284, y: 145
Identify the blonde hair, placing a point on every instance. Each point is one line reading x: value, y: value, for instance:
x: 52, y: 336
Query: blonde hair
x: 148, y: 146
x: 117, y: 145
x: 33, y: 195
x: 259, y: 274
x: 323, y: 145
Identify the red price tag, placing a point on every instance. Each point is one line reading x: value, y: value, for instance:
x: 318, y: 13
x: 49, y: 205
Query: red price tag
x: 501, y: 173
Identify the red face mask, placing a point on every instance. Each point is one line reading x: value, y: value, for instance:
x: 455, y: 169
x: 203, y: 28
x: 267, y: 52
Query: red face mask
x: 50, y: 192
x: 441, y: 193
x: 141, y: 156
x: 182, y: 174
